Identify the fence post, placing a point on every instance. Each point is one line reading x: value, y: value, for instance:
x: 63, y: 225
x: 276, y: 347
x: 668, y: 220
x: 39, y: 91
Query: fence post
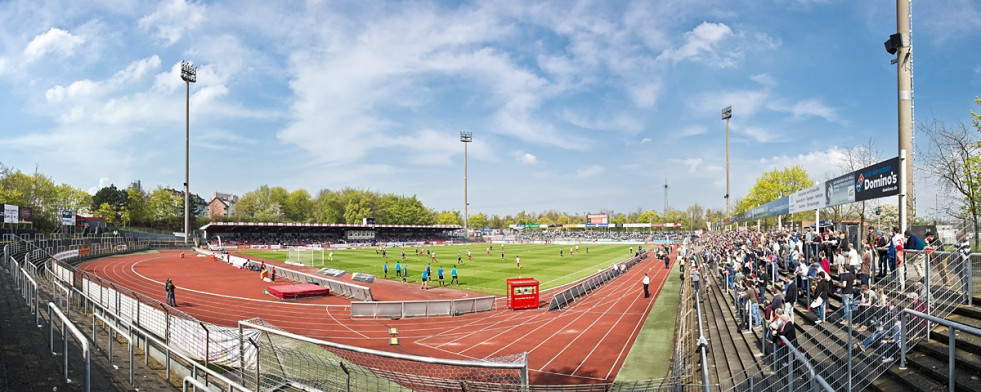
x: 902, y: 341
x: 926, y: 273
x: 207, y: 350
x: 951, y: 342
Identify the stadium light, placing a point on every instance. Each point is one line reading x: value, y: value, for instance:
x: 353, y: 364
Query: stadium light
x: 189, y: 74
x: 726, y: 115
x: 465, y: 137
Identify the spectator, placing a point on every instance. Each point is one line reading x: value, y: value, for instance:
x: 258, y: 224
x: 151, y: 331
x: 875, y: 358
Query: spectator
x: 821, y: 293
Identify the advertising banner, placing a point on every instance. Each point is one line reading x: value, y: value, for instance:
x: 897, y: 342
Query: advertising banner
x: 840, y: 190
x: 808, y: 199
x: 10, y: 213
x: 600, y: 220
x: 67, y: 218
x: 878, y: 180
x: 25, y: 215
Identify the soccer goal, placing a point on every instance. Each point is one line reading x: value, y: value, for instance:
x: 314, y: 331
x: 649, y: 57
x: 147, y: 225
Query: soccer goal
x: 305, y: 255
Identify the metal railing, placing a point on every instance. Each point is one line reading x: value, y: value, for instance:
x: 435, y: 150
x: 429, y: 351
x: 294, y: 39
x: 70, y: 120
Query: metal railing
x: 66, y: 326
x: 951, y: 341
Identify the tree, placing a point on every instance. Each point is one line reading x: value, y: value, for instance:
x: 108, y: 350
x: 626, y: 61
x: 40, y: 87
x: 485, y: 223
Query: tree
x: 952, y: 160
x: 136, y: 211
x: 107, y: 211
x: 110, y: 194
x: 479, y: 221
x: 773, y: 185
x: 298, y: 207
x: 449, y: 218
x: 165, y: 208
x: 41, y: 194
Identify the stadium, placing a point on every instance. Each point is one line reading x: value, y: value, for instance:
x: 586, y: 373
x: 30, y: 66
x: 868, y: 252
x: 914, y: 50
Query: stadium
x: 334, y: 255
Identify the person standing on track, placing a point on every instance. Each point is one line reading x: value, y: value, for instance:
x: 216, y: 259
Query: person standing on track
x: 169, y: 287
x: 273, y: 274
x: 647, y: 283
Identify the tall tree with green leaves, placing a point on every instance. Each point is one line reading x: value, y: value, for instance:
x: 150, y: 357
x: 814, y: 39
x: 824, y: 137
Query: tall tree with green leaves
x: 774, y: 184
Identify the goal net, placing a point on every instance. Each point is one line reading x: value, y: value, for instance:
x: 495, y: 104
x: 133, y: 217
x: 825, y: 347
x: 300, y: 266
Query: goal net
x: 312, y: 256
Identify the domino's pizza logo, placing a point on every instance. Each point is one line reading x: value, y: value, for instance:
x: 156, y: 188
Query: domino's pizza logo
x: 858, y: 185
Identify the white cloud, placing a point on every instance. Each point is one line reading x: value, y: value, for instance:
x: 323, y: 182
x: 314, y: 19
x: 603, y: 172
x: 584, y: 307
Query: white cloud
x: 645, y: 95
x: 814, y: 162
x: 764, y: 79
x: 54, y: 41
x: 525, y: 158
x: 701, y: 46
x: 807, y: 108
x: 173, y: 19
x: 103, y: 182
x: 645, y: 140
x: 693, y: 130
x: 590, y: 171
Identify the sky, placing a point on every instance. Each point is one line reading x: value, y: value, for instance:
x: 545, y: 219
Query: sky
x: 574, y: 106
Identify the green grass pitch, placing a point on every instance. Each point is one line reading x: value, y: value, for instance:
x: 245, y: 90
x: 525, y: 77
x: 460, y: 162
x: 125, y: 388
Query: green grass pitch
x: 484, y: 273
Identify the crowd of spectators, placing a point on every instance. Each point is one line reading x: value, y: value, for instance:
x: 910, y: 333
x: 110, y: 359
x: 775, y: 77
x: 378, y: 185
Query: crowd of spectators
x: 598, y: 235
x: 770, y: 274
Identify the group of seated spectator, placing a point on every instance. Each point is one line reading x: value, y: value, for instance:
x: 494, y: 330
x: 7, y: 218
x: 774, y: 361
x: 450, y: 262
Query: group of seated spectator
x: 770, y: 273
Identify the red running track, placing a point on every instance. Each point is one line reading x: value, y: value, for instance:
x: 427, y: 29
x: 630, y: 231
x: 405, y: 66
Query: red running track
x: 585, y: 343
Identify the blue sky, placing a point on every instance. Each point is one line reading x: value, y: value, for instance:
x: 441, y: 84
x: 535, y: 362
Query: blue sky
x: 574, y: 106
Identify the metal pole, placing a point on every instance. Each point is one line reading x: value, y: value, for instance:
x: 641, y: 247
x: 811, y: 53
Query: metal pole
x: 187, y: 164
x: 951, y: 342
x: 904, y: 86
x: 902, y: 340
x: 848, y: 311
x: 926, y: 277
x: 727, y: 114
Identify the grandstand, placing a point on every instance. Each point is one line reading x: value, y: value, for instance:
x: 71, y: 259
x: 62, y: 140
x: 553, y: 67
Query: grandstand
x: 274, y: 235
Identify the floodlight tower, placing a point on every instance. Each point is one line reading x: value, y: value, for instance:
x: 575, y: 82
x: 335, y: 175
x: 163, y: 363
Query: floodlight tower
x: 726, y: 115
x: 665, y: 219
x: 189, y: 74
x: 465, y: 137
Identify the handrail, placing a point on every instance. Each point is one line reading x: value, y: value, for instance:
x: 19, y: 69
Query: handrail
x: 198, y: 386
x: 702, y: 343
x: 129, y: 340
x: 37, y: 311
x: 810, y: 369
x: 951, y: 341
x: 67, y: 325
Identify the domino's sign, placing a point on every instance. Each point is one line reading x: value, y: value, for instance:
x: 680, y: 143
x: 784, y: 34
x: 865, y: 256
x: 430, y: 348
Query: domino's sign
x: 879, y: 180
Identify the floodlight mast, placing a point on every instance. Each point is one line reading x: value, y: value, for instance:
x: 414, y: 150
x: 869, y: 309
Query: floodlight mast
x: 726, y: 115
x: 465, y: 137
x: 189, y: 74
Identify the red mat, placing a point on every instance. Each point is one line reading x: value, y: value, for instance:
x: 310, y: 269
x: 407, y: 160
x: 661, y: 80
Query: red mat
x: 298, y: 291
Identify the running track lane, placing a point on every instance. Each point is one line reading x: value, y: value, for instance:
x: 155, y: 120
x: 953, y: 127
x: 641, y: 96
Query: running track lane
x: 585, y: 343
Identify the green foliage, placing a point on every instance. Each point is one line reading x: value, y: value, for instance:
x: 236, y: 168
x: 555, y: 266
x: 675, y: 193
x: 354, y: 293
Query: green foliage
x: 165, y: 207
x: 449, y: 218
x: 40, y: 193
x: 773, y: 185
x: 478, y: 221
